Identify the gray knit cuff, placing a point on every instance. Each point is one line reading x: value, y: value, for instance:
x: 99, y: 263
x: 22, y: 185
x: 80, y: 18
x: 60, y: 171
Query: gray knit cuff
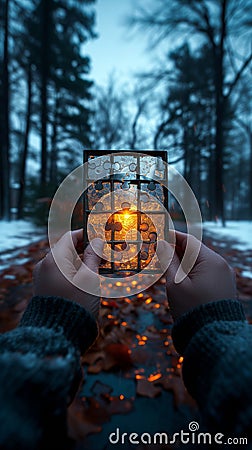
x: 192, y: 321
x: 76, y: 323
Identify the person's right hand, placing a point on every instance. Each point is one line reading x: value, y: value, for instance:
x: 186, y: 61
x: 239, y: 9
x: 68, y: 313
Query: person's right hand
x: 210, y: 279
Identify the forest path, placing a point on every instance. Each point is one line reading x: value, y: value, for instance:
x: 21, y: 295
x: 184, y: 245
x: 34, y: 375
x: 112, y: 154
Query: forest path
x: 132, y: 375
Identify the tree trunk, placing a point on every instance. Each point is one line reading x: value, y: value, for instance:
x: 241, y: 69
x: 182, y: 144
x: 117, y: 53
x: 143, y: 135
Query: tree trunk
x: 219, y: 193
x: 26, y: 143
x: 219, y: 72
x: 250, y: 175
x: 211, y: 186
x: 54, y: 153
x: 5, y: 125
x: 45, y: 61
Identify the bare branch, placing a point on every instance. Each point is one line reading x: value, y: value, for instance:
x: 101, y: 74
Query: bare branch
x: 244, y: 125
x: 139, y: 111
x: 167, y: 24
x: 238, y: 75
x: 180, y: 158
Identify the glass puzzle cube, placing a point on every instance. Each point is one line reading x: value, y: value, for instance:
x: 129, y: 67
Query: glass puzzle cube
x: 125, y: 203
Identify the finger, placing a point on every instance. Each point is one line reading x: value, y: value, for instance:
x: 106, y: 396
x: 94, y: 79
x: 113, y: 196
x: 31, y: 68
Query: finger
x: 92, y: 254
x: 169, y: 260
x: 165, y: 252
x: 63, y: 255
x: 188, y: 248
x: 64, y: 247
x: 77, y: 237
x: 181, y: 240
x: 87, y: 277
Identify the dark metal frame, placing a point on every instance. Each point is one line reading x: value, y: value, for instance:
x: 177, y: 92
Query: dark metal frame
x: 116, y: 178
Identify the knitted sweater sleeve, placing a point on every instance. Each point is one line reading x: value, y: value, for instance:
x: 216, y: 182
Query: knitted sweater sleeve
x: 216, y: 342
x: 40, y: 372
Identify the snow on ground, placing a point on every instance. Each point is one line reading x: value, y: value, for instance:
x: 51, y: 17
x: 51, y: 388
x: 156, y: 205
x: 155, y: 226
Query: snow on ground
x: 18, y: 233
x: 14, y: 235
x: 240, y: 232
x: 237, y: 234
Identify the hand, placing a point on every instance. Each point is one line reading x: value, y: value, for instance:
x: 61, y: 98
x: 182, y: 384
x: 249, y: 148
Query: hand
x: 49, y: 280
x: 210, y: 279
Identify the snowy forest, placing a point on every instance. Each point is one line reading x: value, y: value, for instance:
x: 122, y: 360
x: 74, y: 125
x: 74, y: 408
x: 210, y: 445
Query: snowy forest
x: 195, y: 102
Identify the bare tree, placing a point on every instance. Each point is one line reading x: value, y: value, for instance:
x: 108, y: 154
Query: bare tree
x: 211, y: 21
x: 118, y: 112
x: 243, y: 118
x: 5, y: 114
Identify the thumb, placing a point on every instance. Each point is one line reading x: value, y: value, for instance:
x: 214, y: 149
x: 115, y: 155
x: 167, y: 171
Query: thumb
x: 168, y: 259
x: 93, y: 254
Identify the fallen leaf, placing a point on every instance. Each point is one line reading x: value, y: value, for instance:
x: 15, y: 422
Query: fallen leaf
x: 79, y: 425
x: 147, y: 389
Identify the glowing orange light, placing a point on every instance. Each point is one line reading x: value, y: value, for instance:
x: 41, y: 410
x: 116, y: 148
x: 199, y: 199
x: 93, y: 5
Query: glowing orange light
x: 154, y: 377
x: 139, y: 377
x: 124, y: 324
x: 166, y: 343
x: 141, y: 342
x: 148, y: 300
x: 144, y: 338
x: 157, y: 305
x: 109, y: 316
x: 181, y: 359
x: 118, y: 283
x: 105, y: 303
x: 121, y: 397
x: 140, y: 295
x: 128, y: 289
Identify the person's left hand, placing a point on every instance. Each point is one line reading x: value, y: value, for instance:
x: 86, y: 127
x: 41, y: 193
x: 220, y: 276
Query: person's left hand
x: 48, y: 279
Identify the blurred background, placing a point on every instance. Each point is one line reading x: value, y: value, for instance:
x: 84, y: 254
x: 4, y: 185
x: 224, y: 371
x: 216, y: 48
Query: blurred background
x: 172, y: 75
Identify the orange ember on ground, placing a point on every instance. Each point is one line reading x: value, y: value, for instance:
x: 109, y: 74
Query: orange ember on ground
x: 154, y: 377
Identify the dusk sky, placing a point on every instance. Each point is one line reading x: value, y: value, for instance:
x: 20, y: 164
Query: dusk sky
x: 115, y: 50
